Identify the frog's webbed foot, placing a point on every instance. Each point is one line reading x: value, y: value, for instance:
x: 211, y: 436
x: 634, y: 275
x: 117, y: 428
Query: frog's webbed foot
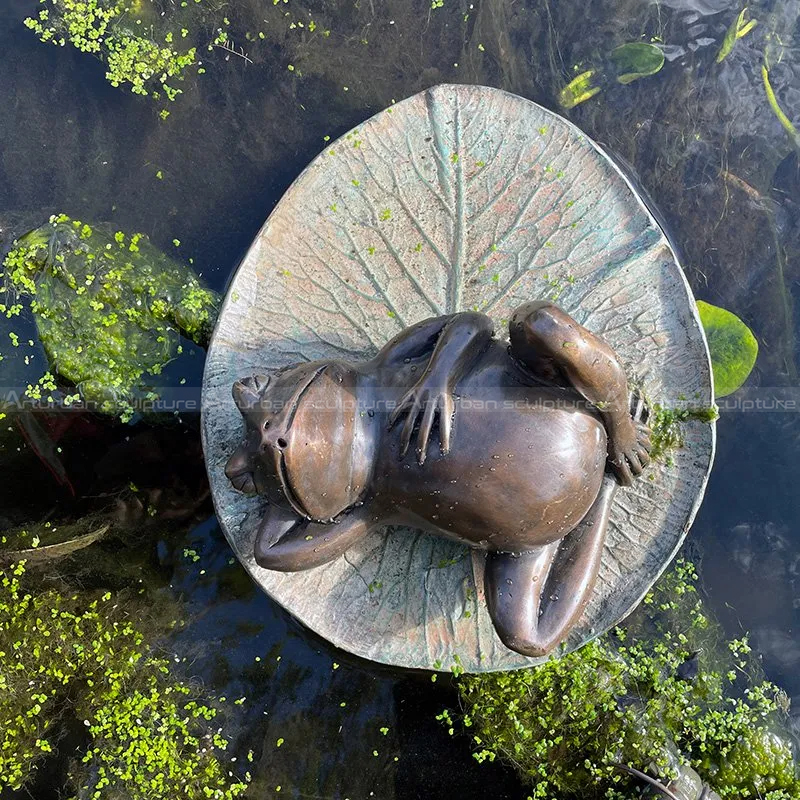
x: 535, y: 598
x: 287, y: 542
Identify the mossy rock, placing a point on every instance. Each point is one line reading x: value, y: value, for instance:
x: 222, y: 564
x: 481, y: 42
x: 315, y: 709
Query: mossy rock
x: 109, y: 308
x: 458, y: 198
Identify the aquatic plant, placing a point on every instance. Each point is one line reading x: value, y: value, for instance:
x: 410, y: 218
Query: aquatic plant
x: 578, y: 90
x: 784, y: 120
x: 660, y: 692
x: 739, y: 28
x: 108, y: 308
x: 119, y: 33
x: 732, y: 346
x: 733, y: 350
x: 625, y: 64
x: 635, y: 60
x: 46, y: 541
x: 76, y: 656
x: 666, y: 426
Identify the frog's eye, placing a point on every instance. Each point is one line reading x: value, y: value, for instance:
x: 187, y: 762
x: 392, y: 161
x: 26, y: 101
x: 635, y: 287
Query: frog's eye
x: 266, y: 424
x: 261, y: 382
x: 248, y: 392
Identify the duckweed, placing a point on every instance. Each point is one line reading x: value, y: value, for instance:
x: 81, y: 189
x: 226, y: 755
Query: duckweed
x: 67, y: 656
x: 113, y: 31
x: 108, y: 306
x: 662, y: 691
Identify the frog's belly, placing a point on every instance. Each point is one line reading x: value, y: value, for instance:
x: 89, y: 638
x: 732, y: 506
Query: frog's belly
x: 515, y: 477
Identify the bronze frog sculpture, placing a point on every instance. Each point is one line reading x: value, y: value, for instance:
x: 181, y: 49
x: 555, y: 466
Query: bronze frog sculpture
x: 535, y: 435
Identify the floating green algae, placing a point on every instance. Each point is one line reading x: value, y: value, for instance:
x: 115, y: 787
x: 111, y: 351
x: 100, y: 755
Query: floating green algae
x: 109, y: 308
x: 74, y: 655
x: 666, y: 426
x: 142, y: 47
x: 662, y: 691
x: 732, y: 346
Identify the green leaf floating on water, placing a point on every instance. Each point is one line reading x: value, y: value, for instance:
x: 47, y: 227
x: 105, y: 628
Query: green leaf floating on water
x: 636, y: 60
x: 732, y: 345
x: 108, y: 307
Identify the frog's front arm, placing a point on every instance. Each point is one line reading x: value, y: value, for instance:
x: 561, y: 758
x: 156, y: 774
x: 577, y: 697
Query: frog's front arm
x: 287, y: 542
x: 412, y: 342
x: 460, y: 339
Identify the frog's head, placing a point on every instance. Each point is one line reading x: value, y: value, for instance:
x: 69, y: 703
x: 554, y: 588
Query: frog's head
x: 305, y: 438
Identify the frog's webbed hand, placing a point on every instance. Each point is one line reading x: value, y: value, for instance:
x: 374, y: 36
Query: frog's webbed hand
x: 287, y: 542
x: 462, y: 338
x: 547, y: 340
x: 424, y: 402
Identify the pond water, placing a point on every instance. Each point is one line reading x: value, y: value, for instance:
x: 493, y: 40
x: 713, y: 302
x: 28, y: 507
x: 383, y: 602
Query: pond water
x: 699, y: 137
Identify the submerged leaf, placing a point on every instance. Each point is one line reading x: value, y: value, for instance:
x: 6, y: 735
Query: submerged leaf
x: 70, y: 538
x: 787, y: 124
x: 578, y: 90
x: 739, y: 28
x: 636, y: 60
x: 732, y: 345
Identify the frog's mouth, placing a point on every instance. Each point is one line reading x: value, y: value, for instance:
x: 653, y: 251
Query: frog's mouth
x: 288, y: 490
x: 319, y: 452
x: 283, y: 443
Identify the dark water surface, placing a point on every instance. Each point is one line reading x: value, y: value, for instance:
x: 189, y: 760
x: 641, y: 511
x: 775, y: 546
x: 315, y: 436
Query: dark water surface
x: 699, y: 137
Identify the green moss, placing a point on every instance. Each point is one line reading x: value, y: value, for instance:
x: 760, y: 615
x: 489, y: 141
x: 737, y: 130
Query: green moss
x: 629, y: 698
x: 666, y: 426
x: 77, y: 655
x: 108, y: 307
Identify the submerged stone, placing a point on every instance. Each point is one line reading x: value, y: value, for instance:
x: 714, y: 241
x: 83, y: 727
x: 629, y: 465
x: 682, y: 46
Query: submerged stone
x: 109, y: 308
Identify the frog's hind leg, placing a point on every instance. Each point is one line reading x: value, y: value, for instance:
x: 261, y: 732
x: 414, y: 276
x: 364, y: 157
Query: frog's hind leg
x: 287, y: 542
x: 535, y: 598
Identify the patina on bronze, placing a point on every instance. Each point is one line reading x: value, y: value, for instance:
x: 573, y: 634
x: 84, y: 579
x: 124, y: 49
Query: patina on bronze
x: 535, y: 435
